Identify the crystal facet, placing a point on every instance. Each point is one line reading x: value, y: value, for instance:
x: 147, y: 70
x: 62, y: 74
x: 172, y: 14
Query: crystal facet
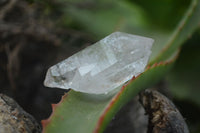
x: 103, y: 66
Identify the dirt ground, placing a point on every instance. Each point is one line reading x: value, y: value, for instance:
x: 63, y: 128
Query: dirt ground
x: 30, y: 44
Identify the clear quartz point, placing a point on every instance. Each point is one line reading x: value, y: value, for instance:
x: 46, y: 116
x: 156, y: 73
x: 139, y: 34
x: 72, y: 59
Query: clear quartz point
x: 102, y: 67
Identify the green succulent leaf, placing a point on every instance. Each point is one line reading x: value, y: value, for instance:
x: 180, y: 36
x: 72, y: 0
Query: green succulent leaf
x: 80, y: 112
x: 184, y: 30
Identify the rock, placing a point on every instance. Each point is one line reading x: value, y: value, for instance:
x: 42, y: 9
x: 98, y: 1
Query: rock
x: 164, y: 117
x: 13, y: 119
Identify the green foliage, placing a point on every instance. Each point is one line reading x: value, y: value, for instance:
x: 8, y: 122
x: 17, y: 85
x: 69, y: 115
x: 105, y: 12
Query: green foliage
x: 184, y: 83
x: 104, y: 17
x: 164, y: 14
x: 79, y: 112
x: 184, y: 78
x: 154, y: 19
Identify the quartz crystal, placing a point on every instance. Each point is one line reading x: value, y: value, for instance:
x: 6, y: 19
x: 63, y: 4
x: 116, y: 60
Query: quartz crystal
x: 102, y: 67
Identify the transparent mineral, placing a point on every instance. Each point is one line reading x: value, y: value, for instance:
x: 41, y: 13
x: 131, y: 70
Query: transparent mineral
x: 103, y: 66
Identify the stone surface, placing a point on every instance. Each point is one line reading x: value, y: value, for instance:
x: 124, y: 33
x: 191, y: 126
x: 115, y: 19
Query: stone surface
x: 13, y: 119
x: 103, y: 66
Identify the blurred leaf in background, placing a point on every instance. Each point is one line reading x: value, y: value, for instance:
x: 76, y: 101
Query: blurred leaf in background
x: 102, y: 17
x: 184, y: 82
x: 155, y: 19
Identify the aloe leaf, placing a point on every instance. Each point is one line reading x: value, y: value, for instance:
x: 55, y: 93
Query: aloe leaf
x: 184, y: 30
x: 79, y: 112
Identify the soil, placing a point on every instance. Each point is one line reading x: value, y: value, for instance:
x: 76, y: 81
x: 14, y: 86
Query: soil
x: 30, y: 44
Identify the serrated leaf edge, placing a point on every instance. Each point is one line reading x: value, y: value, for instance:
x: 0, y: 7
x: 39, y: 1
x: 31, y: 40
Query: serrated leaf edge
x: 117, y: 96
x: 53, y: 106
